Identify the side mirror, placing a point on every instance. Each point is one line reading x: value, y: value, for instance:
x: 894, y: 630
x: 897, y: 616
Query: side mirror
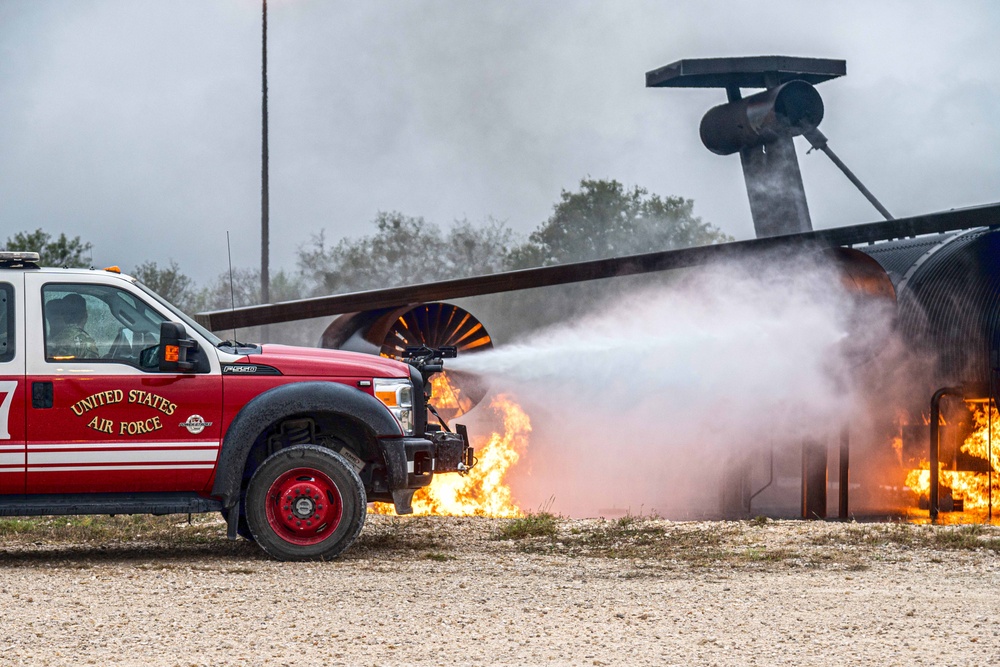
x: 175, y: 349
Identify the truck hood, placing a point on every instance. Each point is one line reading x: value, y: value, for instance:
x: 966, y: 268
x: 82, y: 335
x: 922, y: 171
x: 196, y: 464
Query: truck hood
x: 311, y: 361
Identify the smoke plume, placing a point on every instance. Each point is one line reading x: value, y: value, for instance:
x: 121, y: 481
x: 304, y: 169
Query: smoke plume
x: 645, y: 404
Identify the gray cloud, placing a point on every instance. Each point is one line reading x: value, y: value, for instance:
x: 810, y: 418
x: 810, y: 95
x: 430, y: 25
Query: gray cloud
x: 136, y: 124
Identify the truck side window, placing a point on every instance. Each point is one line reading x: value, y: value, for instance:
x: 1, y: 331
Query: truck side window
x: 97, y: 323
x: 6, y: 322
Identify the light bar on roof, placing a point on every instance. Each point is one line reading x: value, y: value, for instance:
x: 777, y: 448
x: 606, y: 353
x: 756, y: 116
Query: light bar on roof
x: 18, y: 256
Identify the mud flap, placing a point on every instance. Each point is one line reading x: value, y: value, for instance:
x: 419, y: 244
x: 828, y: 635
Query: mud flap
x: 232, y: 523
x: 394, y: 455
x: 403, y: 500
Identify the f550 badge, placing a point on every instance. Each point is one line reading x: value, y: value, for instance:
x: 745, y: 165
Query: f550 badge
x: 239, y: 368
x: 249, y: 369
x: 195, y: 424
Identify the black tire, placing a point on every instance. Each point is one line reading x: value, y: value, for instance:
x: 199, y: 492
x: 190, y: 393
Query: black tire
x: 305, y: 503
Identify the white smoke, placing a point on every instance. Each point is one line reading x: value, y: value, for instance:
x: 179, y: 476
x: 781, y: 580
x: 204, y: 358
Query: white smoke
x: 642, y: 405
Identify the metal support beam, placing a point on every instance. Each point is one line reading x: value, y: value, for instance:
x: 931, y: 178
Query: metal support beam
x: 845, y: 459
x: 970, y: 391
x: 814, y: 478
x: 775, y: 190
x: 736, y: 488
x: 820, y: 142
x: 935, y: 453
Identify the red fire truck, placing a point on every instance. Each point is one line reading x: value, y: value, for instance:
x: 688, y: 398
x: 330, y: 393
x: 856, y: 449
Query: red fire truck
x: 115, y: 402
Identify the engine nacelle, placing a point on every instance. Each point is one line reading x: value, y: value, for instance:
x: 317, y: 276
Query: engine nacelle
x: 389, y: 331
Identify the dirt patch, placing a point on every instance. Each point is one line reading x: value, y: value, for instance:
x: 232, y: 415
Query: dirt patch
x: 547, y: 590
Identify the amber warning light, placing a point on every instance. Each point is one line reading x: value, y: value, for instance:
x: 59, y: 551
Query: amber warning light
x: 172, y: 353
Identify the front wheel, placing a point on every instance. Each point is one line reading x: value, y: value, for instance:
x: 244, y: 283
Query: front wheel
x: 305, y: 502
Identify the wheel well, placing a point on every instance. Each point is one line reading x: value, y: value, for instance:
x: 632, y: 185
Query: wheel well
x: 333, y: 431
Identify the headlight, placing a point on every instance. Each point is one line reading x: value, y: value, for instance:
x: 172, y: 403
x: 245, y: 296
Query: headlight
x: 397, y: 395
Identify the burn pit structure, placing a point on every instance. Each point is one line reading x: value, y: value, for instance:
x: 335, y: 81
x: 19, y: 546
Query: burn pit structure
x: 947, y: 285
x: 911, y: 254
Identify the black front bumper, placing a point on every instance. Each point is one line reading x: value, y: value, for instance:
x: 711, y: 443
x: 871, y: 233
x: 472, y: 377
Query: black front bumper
x: 412, y: 462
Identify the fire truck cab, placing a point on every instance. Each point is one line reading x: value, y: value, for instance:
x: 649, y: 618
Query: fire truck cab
x: 112, y: 401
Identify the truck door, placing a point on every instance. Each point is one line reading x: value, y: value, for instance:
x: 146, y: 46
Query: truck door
x: 113, y: 424
x: 12, y: 385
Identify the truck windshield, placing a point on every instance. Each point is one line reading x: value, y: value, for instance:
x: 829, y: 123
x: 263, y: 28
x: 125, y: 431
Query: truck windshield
x: 211, y: 337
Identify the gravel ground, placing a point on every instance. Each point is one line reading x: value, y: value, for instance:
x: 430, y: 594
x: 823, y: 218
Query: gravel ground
x: 451, y: 591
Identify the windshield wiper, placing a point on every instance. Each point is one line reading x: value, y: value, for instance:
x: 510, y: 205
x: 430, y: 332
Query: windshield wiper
x: 234, y: 344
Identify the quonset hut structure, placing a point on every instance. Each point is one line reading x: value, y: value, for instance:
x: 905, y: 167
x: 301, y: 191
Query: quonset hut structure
x: 948, y: 288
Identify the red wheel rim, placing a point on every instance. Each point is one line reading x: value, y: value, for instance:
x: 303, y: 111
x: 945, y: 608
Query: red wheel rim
x: 304, y: 506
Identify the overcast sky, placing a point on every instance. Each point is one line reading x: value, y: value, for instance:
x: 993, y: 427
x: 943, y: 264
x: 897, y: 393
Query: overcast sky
x: 136, y: 125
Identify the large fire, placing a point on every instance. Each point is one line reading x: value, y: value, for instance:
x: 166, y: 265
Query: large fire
x: 971, y: 487
x: 448, y: 396
x: 482, y: 491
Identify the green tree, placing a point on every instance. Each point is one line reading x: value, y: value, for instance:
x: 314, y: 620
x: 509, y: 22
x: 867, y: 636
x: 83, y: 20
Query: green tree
x: 62, y: 251
x: 602, y: 219
x: 606, y: 219
x: 168, y: 282
x: 478, y: 250
x: 243, y: 289
x: 405, y: 250
x: 394, y: 255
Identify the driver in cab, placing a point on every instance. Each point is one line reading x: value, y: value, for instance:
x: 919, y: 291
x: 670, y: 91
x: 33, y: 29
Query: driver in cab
x: 69, y: 340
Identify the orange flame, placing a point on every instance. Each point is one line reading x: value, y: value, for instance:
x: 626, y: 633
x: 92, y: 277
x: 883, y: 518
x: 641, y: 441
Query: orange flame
x: 447, y: 396
x: 482, y: 491
x: 972, y: 487
x: 984, y: 438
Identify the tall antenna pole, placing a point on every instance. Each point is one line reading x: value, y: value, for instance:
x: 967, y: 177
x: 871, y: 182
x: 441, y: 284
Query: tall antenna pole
x: 265, y: 279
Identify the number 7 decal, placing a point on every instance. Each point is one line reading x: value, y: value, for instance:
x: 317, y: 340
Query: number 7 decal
x: 7, y: 389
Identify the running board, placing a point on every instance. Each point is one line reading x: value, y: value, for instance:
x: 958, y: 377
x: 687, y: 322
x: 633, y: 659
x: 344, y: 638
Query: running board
x: 107, y: 503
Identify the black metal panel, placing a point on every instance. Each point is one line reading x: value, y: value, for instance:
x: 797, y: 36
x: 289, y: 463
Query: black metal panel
x: 774, y: 188
x: 748, y: 72
x: 41, y: 395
